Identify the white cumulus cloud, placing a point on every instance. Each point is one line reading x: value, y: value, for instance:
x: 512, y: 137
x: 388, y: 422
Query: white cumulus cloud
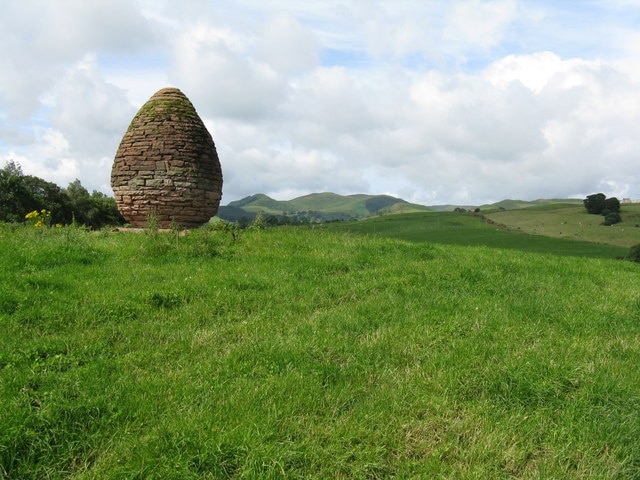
x: 467, y: 101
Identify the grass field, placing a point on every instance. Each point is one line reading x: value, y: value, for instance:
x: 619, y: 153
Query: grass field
x: 307, y: 353
x: 574, y: 223
x: 471, y: 230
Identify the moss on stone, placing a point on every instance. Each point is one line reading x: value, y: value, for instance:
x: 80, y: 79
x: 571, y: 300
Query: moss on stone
x: 162, y: 106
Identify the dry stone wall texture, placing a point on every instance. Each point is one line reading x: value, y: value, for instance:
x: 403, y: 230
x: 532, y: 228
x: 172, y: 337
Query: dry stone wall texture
x: 166, y: 165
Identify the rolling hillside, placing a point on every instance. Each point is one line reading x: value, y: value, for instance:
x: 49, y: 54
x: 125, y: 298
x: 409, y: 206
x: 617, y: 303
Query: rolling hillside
x: 478, y: 230
x: 326, y: 207
x: 509, y: 204
x: 564, y: 219
x: 318, y: 207
x: 572, y: 222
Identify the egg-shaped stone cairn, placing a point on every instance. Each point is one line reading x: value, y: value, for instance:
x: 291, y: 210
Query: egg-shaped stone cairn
x: 167, y: 167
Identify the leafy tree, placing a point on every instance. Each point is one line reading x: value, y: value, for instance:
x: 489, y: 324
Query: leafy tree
x: 94, y: 210
x: 634, y: 253
x: 594, y: 203
x: 272, y: 221
x: 12, y: 193
x: 612, y: 204
x: 21, y: 194
x: 599, y: 204
x: 104, y: 212
x: 12, y: 168
x: 78, y: 195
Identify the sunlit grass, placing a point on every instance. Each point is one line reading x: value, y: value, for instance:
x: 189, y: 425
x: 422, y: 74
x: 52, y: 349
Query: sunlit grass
x: 574, y: 223
x: 510, y: 230
x: 301, y: 353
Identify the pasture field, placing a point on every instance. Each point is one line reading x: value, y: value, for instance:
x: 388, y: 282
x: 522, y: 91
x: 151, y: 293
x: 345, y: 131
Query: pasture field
x: 454, y: 228
x: 309, y: 353
x: 574, y: 223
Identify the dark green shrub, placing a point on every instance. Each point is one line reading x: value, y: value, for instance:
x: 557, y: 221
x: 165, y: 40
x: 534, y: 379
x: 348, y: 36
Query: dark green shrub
x: 594, y: 203
x: 21, y: 194
x: 634, y: 253
x: 599, y: 204
x: 612, y: 204
x: 612, y: 218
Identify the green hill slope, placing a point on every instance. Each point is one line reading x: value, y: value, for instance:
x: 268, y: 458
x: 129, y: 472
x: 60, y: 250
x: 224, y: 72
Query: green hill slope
x: 327, y: 206
x: 318, y: 207
x: 574, y: 223
x: 260, y: 201
x: 509, y: 204
x: 472, y: 230
x: 520, y: 204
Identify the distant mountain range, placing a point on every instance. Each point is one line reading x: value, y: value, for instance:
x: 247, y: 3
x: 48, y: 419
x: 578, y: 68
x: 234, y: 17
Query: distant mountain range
x: 326, y: 207
x: 508, y: 204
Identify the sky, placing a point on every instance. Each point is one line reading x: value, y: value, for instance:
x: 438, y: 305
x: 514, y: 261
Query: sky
x: 461, y: 102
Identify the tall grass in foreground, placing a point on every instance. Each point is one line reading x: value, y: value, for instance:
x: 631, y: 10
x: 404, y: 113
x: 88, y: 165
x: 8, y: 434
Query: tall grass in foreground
x: 299, y: 353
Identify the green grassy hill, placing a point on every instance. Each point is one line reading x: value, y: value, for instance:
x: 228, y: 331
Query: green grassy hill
x: 318, y: 206
x: 473, y: 230
x: 508, y: 204
x: 330, y: 206
x: 308, y: 353
x: 574, y: 223
x: 520, y: 204
x: 324, y: 207
x: 260, y: 202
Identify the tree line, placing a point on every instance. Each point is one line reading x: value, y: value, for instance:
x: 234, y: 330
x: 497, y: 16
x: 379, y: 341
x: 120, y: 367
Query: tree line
x: 599, y: 204
x: 22, y: 194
